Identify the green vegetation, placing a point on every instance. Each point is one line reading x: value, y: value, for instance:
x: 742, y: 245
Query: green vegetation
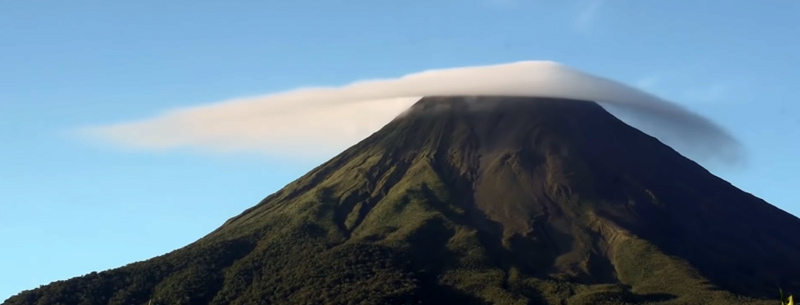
x: 445, y: 208
x: 786, y: 300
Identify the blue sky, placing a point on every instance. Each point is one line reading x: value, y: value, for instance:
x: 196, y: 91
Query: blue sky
x: 70, y: 207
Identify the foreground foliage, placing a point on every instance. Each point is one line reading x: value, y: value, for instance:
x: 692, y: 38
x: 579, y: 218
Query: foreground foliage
x: 786, y: 300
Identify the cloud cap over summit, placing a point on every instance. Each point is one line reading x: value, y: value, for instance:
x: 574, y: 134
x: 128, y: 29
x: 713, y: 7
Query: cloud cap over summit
x: 313, y: 120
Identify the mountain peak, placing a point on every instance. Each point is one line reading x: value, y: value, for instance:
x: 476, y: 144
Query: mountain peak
x: 528, y: 106
x: 498, y: 120
x: 480, y: 200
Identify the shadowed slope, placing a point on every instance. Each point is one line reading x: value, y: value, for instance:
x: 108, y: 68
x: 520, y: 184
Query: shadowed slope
x: 479, y: 200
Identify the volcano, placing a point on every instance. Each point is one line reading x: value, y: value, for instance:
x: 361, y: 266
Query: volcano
x: 480, y: 200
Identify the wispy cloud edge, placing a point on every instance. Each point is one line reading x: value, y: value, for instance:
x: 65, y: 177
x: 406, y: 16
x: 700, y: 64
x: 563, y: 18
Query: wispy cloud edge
x: 311, y: 121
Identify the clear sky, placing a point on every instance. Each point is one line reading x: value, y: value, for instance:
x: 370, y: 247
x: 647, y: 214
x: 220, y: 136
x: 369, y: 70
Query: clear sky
x: 70, y: 207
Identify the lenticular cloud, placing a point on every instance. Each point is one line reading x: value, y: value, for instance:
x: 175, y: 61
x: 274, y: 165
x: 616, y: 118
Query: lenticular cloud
x: 326, y: 120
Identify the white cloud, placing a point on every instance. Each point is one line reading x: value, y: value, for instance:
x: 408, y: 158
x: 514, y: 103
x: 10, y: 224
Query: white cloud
x: 258, y: 125
x: 320, y: 121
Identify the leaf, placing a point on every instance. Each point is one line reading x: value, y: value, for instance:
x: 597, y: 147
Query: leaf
x: 783, y: 298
